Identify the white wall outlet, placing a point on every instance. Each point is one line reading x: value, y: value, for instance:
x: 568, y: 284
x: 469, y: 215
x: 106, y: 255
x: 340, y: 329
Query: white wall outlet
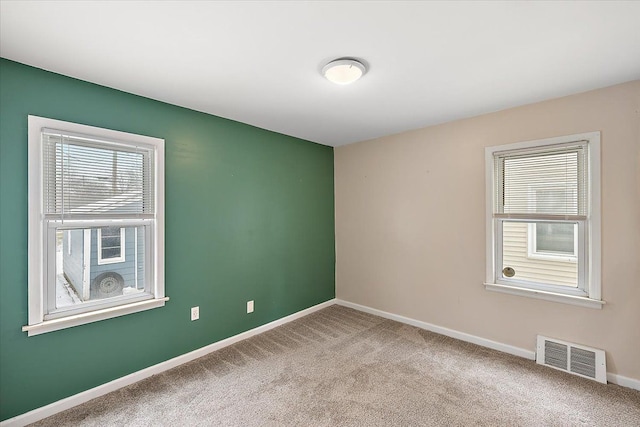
x: 250, y: 306
x: 195, y: 313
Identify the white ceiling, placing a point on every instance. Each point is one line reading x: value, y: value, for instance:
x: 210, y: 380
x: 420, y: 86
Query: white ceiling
x: 259, y: 62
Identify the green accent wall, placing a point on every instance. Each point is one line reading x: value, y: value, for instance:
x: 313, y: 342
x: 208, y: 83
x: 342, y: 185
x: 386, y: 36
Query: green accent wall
x: 249, y: 216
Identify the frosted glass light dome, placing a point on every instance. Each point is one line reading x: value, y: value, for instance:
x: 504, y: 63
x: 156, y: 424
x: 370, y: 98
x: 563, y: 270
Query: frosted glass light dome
x: 343, y: 71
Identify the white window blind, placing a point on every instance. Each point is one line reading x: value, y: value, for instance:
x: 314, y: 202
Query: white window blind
x: 543, y: 183
x: 86, y: 177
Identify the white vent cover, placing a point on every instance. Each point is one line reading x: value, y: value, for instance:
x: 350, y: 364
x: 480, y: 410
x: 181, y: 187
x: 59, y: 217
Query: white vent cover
x: 576, y: 359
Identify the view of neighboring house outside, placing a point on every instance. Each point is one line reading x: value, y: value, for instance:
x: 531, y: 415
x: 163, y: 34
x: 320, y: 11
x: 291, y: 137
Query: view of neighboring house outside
x: 96, y: 270
x: 103, y: 261
x: 554, y: 267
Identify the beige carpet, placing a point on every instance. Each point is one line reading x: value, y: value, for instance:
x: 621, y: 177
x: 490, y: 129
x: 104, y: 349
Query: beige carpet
x: 341, y: 367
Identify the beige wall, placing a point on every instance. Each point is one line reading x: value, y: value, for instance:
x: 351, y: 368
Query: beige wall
x: 410, y: 226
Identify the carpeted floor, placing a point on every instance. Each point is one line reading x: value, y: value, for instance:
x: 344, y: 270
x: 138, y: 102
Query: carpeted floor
x: 342, y: 367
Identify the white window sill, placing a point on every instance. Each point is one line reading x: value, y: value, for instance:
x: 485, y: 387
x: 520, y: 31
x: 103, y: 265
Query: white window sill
x: 544, y: 295
x: 92, y: 316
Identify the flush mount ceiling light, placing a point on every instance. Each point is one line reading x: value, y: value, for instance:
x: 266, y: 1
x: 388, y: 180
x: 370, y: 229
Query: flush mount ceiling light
x: 343, y: 71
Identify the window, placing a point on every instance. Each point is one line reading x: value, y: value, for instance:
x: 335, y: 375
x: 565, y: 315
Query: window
x: 110, y: 245
x: 552, y: 241
x: 543, y: 219
x: 96, y: 224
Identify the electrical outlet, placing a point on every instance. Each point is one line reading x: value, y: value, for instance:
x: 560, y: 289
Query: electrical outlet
x: 250, y: 306
x: 195, y: 313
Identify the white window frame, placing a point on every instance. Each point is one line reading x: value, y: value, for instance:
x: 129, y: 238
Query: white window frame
x: 112, y: 260
x: 41, y: 247
x: 588, y: 293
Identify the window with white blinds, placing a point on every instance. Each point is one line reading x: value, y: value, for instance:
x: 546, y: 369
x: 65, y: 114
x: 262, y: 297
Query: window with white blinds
x: 86, y: 177
x: 545, y: 183
x: 96, y: 224
x: 543, y: 219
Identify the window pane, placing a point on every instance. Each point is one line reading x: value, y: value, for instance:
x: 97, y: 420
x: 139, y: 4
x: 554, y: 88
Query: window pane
x: 555, y: 238
x: 111, y: 242
x: 554, y: 270
x: 110, y: 232
x: 79, y: 276
x: 110, y: 253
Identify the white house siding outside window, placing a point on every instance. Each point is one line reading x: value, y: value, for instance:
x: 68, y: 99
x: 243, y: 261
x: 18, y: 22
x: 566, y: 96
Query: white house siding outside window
x: 543, y: 219
x: 96, y: 224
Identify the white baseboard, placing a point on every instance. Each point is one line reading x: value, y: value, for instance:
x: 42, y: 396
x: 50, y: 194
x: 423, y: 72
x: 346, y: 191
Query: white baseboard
x: 623, y: 381
x: 506, y: 348
x: 77, y: 399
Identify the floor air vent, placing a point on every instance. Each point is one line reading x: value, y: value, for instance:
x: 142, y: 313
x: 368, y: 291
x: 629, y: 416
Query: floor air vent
x: 576, y: 359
